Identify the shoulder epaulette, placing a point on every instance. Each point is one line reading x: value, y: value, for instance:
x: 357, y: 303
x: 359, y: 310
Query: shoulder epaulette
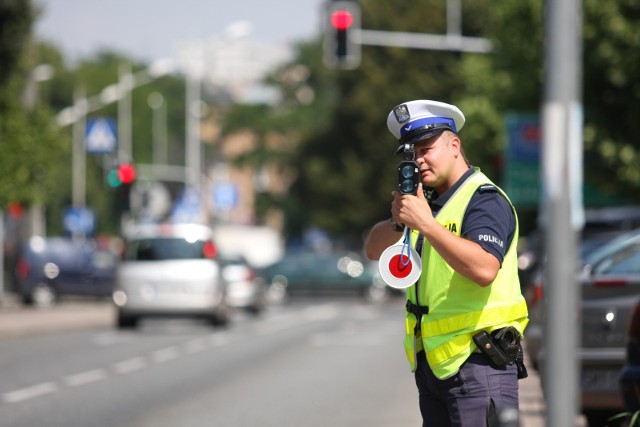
x: 487, y: 188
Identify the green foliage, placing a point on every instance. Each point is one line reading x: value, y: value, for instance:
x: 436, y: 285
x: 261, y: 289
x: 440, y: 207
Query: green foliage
x: 329, y: 130
x: 624, y: 419
x: 29, y: 140
x: 347, y: 169
x: 612, y: 90
x: 31, y: 149
x: 16, y: 18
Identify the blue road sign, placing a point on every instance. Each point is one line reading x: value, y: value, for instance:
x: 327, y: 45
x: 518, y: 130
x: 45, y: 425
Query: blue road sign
x: 225, y: 196
x: 522, y: 159
x: 100, y: 137
x: 79, y: 221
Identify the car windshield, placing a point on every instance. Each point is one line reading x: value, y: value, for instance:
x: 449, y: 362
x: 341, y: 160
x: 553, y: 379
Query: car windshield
x: 162, y: 248
x: 621, y: 256
x: 625, y: 261
x: 612, y: 246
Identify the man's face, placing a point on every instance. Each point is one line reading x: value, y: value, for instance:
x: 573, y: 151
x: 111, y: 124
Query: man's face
x: 436, y: 157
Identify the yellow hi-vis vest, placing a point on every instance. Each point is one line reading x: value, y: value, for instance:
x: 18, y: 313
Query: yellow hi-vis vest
x: 458, y: 307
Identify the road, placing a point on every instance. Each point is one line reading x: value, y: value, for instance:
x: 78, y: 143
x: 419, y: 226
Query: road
x: 308, y: 363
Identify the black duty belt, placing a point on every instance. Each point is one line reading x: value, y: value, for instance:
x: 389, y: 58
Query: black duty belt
x: 416, y: 309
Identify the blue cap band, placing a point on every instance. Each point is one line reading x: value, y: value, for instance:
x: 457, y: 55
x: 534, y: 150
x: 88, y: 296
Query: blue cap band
x: 428, y: 121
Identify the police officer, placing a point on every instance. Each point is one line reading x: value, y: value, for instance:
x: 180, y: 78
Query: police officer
x: 466, y: 231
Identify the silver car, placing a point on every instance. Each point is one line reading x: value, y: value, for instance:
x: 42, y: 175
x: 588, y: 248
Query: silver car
x: 610, y: 285
x: 245, y: 290
x: 169, y: 270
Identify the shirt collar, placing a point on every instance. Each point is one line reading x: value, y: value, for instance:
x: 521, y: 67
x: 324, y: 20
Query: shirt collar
x: 437, y: 201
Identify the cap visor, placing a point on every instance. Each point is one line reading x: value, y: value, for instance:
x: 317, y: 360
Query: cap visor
x: 419, y: 136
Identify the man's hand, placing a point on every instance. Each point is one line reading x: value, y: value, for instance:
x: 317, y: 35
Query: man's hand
x: 411, y: 210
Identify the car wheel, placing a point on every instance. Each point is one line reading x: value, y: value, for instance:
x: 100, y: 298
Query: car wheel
x: 219, y: 320
x: 254, y: 310
x: 127, y: 322
x: 43, y: 296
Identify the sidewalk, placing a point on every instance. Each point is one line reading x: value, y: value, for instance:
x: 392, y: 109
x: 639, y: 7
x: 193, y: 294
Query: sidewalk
x: 18, y: 320
x: 532, y: 406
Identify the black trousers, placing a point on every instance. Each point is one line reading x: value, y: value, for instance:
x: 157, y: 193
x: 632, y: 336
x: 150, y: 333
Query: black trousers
x: 471, y: 398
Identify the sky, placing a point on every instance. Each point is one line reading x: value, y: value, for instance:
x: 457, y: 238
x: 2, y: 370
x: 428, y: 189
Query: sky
x: 154, y: 29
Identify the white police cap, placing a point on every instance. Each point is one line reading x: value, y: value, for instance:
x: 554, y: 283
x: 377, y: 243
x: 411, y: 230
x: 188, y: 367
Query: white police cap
x: 417, y: 120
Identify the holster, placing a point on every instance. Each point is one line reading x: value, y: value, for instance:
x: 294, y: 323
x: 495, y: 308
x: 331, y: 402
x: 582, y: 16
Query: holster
x: 502, y: 347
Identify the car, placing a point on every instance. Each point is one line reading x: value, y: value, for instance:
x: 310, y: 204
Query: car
x: 170, y: 270
x: 51, y: 268
x: 324, y: 273
x: 630, y: 375
x: 601, y: 225
x: 610, y: 284
x: 245, y: 290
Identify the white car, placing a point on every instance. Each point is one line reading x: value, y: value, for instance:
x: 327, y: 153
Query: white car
x: 170, y: 270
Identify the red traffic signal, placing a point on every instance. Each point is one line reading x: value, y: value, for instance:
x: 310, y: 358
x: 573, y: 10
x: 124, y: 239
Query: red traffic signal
x: 341, y: 25
x: 341, y: 19
x: 126, y: 173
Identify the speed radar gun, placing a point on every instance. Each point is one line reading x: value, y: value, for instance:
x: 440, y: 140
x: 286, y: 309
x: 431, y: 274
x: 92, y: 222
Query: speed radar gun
x: 399, y: 264
x: 408, y: 171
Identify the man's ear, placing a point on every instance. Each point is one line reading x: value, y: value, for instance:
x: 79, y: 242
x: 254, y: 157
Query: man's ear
x: 456, y: 144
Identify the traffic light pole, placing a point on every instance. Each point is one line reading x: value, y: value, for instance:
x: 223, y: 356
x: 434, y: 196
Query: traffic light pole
x: 451, y: 42
x: 343, y: 36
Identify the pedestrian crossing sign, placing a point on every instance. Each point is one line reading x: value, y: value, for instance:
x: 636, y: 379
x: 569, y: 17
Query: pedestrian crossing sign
x: 100, y: 137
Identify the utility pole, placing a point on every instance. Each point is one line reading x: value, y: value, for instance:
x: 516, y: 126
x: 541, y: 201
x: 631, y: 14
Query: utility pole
x: 562, y: 122
x: 193, y: 113
x: 78, y: 184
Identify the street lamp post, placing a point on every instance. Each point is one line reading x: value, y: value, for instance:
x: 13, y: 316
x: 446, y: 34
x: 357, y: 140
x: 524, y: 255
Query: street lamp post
x: 159, y: 127
x: 125, y: 86
x: 194, y: 71
x: 78, y: 172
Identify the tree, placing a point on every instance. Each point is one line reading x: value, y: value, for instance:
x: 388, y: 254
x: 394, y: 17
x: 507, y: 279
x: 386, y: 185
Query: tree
x: 611, y: 90
x: 28, y: 139
x: 347, y: 168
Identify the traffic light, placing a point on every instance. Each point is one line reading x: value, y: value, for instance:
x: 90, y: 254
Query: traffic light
x: 341, y: 27
x: 124, y: 174
x: 121, y: 178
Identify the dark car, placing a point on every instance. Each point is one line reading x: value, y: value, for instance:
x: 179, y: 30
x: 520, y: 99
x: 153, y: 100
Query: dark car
x: 324, y: 273
x: 610, y: 286
x: 601, y: 225
x: 630, y: 376
x: 54, y: 267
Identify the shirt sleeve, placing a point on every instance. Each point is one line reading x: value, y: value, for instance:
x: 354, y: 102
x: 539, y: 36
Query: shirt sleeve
x: 489, y: 221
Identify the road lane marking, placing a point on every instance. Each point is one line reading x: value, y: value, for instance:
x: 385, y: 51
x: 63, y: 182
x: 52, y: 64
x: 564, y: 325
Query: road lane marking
x: 130, y: 365
x: 216, y: 340
x: 30, y: 392
x: 165, y: 354
x: 321, y: 312
x: 275, y: 324
x: 291, y: 320
x: 87, y: 377
x: 110, y: 338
